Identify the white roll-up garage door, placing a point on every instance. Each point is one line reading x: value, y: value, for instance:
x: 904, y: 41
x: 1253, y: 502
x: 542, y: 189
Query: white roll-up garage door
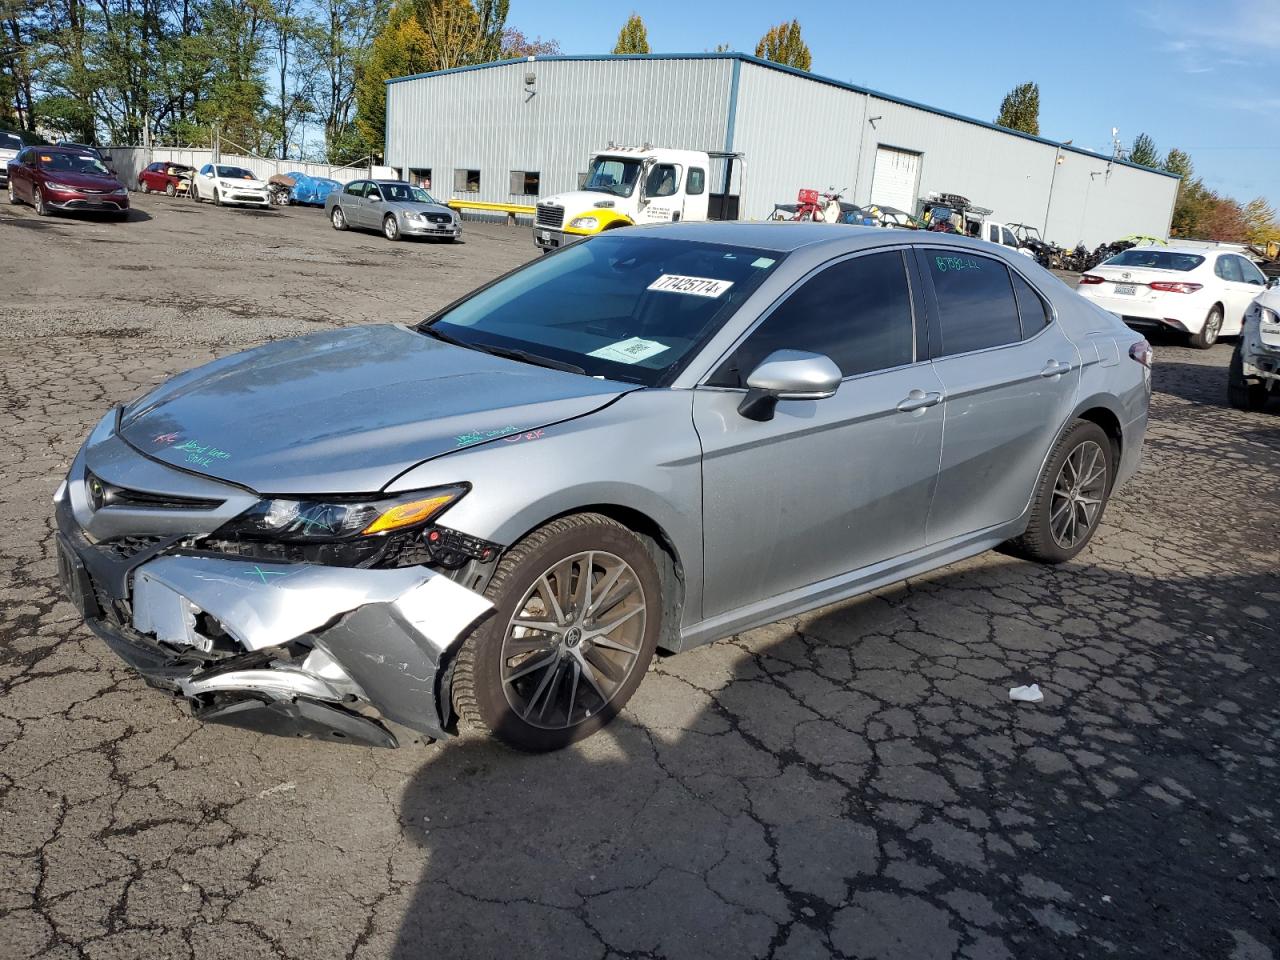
x: 893, y: 184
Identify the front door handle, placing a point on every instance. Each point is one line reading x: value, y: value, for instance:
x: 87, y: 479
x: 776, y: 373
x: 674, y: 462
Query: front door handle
x: 1055, y: 368
x: 918, y: 400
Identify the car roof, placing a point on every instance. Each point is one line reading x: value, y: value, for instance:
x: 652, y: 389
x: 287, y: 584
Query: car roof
x: 788, y: 236
x: 78, y: 149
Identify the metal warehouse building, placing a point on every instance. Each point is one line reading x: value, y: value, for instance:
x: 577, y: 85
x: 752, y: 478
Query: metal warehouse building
x: 508, y: 132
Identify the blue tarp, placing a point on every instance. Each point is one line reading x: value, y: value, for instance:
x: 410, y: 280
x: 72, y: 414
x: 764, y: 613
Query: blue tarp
x: 311, y: 189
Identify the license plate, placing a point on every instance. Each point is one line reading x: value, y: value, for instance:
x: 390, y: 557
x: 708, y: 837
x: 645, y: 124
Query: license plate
x: 1126, y: 289
x: 545, y: 235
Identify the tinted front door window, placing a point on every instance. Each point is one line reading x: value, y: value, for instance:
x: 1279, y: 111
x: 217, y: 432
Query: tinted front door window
x: 857, y: 312
x: 975, y: 301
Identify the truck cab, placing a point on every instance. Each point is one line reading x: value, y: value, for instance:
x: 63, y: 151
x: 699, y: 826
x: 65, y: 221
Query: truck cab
x: 625, y: 186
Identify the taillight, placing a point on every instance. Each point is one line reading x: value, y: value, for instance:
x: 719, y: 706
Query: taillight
x: 1090, y: 278
x: 1173, y: 286
x: 1142, y: 352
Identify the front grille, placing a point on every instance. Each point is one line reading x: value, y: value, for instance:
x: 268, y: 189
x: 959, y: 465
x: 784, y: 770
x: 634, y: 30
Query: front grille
x: 126, y: 548
x: 550, y: 215
x: 439, y: 218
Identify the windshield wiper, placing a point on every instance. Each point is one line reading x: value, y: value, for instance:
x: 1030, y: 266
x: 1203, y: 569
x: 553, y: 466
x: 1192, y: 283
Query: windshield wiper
x: 511, y: 353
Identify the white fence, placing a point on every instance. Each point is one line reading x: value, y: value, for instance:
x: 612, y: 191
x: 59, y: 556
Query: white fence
x: 128, y: 161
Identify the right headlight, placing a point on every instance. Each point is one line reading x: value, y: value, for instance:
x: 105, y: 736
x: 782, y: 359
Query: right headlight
x: 285, y: 520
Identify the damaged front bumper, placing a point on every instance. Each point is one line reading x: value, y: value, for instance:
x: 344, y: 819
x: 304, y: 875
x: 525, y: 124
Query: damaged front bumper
x: 289, y: 648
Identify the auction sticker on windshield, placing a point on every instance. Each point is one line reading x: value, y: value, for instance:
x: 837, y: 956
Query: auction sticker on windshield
x: 630, y: 351
x: 694, y: 286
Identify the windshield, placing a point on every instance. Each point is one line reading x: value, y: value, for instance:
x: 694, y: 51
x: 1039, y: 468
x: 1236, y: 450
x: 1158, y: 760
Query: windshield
x: 400, y: 191
x: 613, y: 175
x: 236, y: 173
x: 422, y: 196
x: 73, y: 163
x: 1158, y: 259
x: 620, y: 306
x: 10, y: 141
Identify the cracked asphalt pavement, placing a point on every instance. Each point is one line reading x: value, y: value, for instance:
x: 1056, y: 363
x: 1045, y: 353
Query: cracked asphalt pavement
x: 850, y: 783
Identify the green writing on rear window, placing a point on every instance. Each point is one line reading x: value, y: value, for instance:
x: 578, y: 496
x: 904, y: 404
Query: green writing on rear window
x: 945, y: 264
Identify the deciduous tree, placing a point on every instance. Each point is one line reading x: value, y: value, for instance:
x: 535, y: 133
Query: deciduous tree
x: 783, y: 44
x: 633, y: 37
x: 1020, y: 109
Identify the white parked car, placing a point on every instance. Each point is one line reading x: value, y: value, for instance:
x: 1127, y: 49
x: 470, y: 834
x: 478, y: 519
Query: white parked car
x: 1254, y: 375
x: 1202, y: 293
x: 224, y: 184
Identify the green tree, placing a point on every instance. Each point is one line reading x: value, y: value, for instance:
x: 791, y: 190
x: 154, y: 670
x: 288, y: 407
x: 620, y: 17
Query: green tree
x: 1179, y: 162
x: 1144, y: 151
x: 1020, y: 109
x: 1260, y: 221
x: 633, y: 37
x: 783, y: 44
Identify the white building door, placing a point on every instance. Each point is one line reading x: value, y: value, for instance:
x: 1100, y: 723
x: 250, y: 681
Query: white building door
x: 893, y: 184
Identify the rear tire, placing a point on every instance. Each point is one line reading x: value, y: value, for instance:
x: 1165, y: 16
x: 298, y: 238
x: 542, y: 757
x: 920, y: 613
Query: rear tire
x: 338, y: 219
x: 1241, y: 393
x: 1208, y: 334
x: 1071, y: 495
x: 555, y: 663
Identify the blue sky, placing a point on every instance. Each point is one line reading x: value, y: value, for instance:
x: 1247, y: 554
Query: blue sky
x: 1200, y: 76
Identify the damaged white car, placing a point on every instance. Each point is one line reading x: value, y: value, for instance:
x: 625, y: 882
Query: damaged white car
x: 1254, y: 375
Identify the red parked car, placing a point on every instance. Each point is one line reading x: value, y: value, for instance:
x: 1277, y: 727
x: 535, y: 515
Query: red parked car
x: 65, y: 178
x: 170, y: 178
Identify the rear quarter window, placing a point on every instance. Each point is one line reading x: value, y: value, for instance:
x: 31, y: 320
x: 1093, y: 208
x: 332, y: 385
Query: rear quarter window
x: 976, y: 305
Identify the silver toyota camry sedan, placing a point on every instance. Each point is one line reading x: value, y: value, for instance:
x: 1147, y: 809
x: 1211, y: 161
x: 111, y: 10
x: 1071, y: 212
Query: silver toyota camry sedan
x: 646, y: 441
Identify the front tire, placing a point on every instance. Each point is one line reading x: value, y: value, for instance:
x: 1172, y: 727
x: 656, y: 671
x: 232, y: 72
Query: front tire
x: 1208, y: 334
x: 1241, y: 393
x: 217, y: 197
x: 1070, y: 496
x: 13, y: 195
x: 390, y: 227
x: 146, y: 188
x: 577, y: 615
x: 170, y: 190
x: 37, y: 201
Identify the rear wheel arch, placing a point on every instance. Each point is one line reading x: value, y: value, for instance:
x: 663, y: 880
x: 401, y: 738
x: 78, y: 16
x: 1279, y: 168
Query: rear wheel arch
x: 1110, y: 424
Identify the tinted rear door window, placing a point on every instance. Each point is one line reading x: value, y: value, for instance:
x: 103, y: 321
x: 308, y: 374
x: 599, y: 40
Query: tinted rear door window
x: 1032, y: 308
x: 857, y: 312
x: 975, y: 301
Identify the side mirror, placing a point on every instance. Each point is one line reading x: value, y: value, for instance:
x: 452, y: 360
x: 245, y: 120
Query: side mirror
x: 1273, y: 283
x: 788, y: 375
x: 374, y: 199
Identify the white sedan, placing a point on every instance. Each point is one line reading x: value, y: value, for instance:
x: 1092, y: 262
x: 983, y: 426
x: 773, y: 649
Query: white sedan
x: 224, y: 184
x: 1202, y: 293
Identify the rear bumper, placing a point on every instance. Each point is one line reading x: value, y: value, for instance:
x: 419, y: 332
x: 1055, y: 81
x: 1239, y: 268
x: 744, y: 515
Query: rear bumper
x: 1143, y: 314
x: 292, y: 648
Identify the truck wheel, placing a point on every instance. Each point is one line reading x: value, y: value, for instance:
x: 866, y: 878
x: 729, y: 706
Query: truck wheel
x: 578, y: 610
x: 1243, y: 394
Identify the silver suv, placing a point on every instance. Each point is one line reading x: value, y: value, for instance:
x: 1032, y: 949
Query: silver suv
x: 645, y: 441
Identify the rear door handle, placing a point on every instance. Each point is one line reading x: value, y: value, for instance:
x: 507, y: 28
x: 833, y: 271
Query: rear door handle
x: 918, y: 400
x: 1055, y: 368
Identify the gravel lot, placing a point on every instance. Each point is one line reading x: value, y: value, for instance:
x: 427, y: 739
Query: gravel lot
x: 852, y: 783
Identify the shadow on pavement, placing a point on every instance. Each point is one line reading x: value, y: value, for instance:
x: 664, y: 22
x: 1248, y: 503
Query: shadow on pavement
x: 858, y: 784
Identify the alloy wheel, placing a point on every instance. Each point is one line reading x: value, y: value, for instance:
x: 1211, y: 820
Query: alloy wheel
x: 391, y: 228
x: 1077, y: 495
x: 574, y: 640
x: 338, y: 218
x: 13, y: 196
x: 1212, y: 326
x: 37, y: 201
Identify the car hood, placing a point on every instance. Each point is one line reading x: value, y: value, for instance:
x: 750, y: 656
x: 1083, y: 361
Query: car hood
x: 347, y: 411
x: 416, y: 206
x: 579, y: 202
x: 83, y: 181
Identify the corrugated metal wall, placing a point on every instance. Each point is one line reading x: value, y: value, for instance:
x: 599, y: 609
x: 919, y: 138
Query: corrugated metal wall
x: 800, y: 133
x: 485, y: 119
x: 795, y: 131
